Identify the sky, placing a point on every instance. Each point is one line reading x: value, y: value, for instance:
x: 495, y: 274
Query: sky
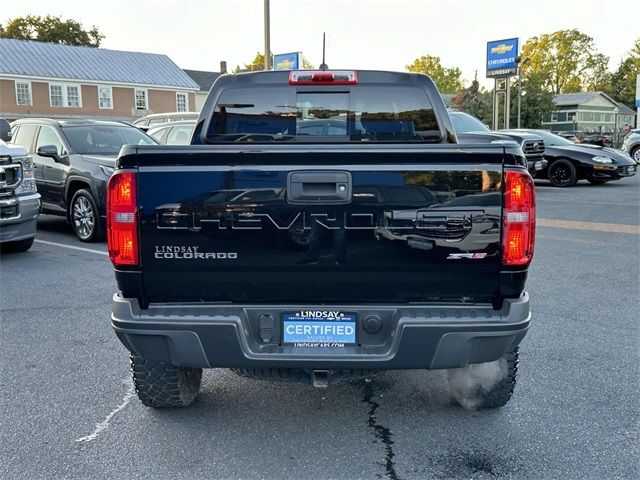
x: 373, y: 34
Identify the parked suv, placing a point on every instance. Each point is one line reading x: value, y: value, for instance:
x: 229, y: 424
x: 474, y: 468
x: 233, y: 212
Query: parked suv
x: 155, y: 119
x: 631, y: 144
x: 19, y: 200
x: 73, y: 160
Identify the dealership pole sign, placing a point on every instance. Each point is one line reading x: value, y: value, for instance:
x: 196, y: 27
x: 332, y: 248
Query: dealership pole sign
x: 286, y: 61
x: 502, y: 58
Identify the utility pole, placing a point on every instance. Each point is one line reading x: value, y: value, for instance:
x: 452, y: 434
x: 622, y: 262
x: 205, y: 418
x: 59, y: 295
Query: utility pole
x: 267, y: 36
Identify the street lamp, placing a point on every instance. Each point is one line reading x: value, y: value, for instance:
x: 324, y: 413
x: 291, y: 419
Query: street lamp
x: 520, y: 61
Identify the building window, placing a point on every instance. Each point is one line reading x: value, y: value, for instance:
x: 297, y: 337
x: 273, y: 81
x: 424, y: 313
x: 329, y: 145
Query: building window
x: 23, y: 93
x: 55, y: 96
x: 65, y: 95
x: 105, y: 97
x: 142, y: 102
x: 554, y: 117
x: 73, y: 96
x: 182, y: 102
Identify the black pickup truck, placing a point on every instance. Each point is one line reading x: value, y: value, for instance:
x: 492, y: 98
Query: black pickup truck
x: 322, y: 224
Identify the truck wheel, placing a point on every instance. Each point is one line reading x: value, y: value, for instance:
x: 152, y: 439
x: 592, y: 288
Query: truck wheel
x: 562, y: 173
x: 84, y: 217
x: 485, y: 385
x: 162, y: 385
x: 18, y: 245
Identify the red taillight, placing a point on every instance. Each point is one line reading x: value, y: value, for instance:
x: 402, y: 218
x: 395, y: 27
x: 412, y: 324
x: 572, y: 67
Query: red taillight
x: 323, y: 77
x: 122, y: 230
x: 519, y: 221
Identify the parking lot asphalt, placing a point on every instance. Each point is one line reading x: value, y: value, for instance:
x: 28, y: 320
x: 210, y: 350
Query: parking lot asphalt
x: 67, y: 408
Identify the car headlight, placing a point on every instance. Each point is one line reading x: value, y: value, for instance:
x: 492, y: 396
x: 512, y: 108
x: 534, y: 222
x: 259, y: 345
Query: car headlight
x: 108, y: 171
x: 602, y: 159
x: 28, y: 183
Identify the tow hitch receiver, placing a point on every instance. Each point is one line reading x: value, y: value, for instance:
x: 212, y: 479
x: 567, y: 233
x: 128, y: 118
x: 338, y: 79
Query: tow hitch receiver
x: 320, y: 378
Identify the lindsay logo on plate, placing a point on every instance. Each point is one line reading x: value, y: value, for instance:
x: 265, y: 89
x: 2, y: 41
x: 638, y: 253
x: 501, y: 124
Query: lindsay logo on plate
x: 170, y: 252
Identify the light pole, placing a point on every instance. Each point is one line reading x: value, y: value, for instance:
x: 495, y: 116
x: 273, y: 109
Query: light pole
x: 615, y: 125
x: 524, y: 62
x: 267, y: 37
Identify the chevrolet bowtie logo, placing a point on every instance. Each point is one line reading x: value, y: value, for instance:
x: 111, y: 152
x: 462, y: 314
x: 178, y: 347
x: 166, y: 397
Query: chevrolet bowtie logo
x: 285, y: 64
x: 502, y: 49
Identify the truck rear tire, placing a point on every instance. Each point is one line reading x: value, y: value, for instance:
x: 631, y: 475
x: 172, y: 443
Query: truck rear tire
x: 485, y: 385
x: 162, y: 385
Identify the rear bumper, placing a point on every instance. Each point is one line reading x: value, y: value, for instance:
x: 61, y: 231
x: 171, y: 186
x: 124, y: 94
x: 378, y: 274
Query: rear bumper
x: 420, y: 337
x: 23, y: 224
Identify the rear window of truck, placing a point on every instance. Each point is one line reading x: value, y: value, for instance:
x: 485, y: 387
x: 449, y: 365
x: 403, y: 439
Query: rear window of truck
x: 358, y: 114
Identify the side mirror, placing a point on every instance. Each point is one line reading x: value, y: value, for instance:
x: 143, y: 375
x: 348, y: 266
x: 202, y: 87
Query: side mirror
x: 48, y: 151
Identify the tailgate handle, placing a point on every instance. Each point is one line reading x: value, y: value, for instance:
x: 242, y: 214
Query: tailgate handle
x: 323, y: 187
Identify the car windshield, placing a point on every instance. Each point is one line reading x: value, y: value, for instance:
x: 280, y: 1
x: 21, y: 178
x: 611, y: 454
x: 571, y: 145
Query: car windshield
x: 362, y: 114
x: 463, y: 122
x: 551, y: 139
x: 104, y: 139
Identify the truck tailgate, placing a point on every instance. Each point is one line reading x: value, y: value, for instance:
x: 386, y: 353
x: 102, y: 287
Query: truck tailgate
x: 369, y: 225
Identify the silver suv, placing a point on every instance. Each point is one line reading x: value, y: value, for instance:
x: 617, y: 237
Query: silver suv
x: 19, y: 199
x: 631, y: 144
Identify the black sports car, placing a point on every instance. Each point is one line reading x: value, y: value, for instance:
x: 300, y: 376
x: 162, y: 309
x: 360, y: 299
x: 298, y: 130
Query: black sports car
x: 570, y: 162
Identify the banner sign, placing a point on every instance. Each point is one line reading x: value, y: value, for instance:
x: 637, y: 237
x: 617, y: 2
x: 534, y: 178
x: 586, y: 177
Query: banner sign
x: 502, y: 57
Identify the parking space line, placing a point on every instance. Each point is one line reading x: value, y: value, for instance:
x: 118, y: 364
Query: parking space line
x: 592, y: 226
x: 72, y: 247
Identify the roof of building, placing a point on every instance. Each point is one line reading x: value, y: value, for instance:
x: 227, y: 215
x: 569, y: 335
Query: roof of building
x: 51, y: 60
x: 624, y: 110
x: 580, y: 98
x: 202, y: 78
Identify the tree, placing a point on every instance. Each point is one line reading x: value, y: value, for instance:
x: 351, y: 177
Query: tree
x: 256, y: 64
x: 623, y: 80
x: 51, y: 29
x: 536, y: 102
x: 565, y: 61
x: 306, y: 64
x: 448, y: 80
x: 475, y: 101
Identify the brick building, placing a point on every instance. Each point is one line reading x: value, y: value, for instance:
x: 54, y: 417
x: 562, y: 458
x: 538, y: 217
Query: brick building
x: 60, y: 81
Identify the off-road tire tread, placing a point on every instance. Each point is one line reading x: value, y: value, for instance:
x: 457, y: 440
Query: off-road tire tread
x: 162, y: 385
x: 500, y: 394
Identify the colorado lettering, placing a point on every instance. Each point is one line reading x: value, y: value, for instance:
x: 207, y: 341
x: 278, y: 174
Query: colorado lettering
x: 170, y: 252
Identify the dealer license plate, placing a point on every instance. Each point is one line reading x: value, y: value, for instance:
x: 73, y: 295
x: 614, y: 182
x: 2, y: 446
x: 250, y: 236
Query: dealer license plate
x: 319, y: 328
